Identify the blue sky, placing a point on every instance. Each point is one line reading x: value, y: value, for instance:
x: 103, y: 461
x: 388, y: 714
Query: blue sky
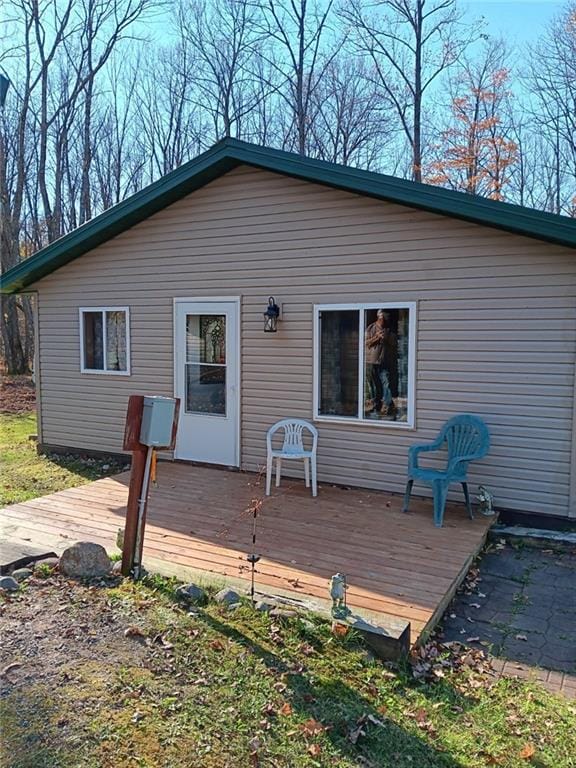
x: 518, y: 21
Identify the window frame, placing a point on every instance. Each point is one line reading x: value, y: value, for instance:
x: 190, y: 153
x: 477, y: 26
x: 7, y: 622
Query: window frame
x: 412, y: 307
x: 104, y: 371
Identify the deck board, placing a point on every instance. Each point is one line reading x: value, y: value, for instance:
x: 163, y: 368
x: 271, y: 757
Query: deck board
x: 396, y: 564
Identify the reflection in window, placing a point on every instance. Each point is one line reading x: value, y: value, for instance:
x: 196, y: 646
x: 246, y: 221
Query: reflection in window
x: 206, y: 389
x: 116, y: 341
x: 339, y: 363
x: 380, y: 336
x: 104, y: 340
x: 93, y: 341
x: 386, y: 364
x: 206, y: 364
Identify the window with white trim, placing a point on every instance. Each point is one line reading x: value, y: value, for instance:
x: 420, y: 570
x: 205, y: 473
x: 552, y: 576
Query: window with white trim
x: 365, y: 363
x: 105, y: 340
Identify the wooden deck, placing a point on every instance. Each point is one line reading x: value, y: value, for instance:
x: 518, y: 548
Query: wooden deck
x: 396, y: 564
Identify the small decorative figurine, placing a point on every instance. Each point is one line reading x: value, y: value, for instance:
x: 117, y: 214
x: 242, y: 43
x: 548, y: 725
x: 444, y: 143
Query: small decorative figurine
x: 338, y: 595
x: 486, y: 501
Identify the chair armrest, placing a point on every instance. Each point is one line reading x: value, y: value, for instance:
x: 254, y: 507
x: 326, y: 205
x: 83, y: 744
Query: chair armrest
x: 414, y: 450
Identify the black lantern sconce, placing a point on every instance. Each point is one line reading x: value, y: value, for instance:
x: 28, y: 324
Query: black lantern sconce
x: 271, y: 316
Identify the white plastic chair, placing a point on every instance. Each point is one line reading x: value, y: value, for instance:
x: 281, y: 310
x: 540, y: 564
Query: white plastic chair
x: 292, y: 448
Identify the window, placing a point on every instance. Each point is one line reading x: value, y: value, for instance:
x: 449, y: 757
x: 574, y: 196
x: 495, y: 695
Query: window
x: 206, y: 364
x: 104, y: 340
x: 365, y: 363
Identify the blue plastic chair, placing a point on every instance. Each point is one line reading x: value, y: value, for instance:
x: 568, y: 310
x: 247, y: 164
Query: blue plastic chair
x: 467, y: 438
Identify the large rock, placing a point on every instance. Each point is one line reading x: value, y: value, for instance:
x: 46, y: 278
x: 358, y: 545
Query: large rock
x: 85, y: 560
x: 21, y: 574
x: 9, y: 584
x: 227, y: 596
x: 191, y: 593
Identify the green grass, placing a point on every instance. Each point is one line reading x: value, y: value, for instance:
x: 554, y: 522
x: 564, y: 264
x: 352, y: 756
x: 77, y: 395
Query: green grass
x: 233, y: 689
x: 25, y: 475
x: 238, y: 689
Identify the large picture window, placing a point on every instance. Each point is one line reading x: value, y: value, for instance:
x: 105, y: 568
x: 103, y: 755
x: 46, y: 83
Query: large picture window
x: 104, y: 340
x: 365, y: 363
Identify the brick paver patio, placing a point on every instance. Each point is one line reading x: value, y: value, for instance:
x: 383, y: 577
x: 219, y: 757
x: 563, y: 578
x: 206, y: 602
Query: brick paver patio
x: 523, y: 610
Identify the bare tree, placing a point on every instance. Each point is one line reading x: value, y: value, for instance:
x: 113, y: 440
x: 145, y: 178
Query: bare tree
x: 410, y: 43
x: 224, y: 42
x: 171, y: 126
x: 59, y: 51
x: 552, y: 80
x: 118, y: 161
x: 351, y: 121
x: 298, y: 30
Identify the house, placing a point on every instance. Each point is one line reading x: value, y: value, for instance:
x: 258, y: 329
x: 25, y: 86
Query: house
x: 165, y: 293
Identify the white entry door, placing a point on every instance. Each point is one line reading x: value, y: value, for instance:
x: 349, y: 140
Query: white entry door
x: 207, y: 380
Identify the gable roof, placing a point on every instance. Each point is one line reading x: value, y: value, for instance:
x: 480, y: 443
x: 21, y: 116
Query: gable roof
x: 230, y: 153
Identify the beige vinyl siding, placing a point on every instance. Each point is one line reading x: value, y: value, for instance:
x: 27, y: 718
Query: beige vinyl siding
x: 496, y: 329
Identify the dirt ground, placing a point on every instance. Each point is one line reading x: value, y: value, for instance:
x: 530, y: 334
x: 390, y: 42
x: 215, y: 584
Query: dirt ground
x: 54, y: 625
x: 17, y: 394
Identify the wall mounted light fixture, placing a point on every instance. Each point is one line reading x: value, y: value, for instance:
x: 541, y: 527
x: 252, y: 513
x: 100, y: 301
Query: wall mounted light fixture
x: 271, y: 316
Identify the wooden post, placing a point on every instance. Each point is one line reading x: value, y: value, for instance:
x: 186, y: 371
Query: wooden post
x: 132, y: 443
x: 136, y: 490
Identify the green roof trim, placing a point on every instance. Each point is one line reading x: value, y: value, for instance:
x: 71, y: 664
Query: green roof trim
x: 230, y: 153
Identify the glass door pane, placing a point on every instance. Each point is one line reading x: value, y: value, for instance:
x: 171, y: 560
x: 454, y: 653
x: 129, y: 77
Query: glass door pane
x: 386, y: 364
x: 339, y: 363
x: 205, y: 376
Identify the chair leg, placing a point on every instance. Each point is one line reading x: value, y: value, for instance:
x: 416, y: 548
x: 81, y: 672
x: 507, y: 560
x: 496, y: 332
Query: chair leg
x: 314, y: 477
x: 278, y: 471
x: 440, y: 493
x: 268, y: 475
x: 307, y: 471
x: 407, y: 493
x: 468, y: 503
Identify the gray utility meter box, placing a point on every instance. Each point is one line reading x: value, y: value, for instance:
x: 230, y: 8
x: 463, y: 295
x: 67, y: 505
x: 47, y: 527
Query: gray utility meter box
x: 157, y: 421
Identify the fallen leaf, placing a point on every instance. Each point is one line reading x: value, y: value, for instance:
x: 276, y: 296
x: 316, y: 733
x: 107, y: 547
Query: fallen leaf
x: 375, y: 721
x: 312, y: 727
x: 306, y: 649
x: 314, y: 750
x: 285, y: 709
x: 355, y: 734
x: 254, y: 744
x: 217, y: 645
x: 134, y: 632
x: 437, y: 672
x: 527, y: 751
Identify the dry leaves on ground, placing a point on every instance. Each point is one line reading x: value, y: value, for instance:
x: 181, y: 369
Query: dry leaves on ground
x: 527, y: 752
x: 17, y: 394
x: 435, y: 659
x: 312, y: 727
